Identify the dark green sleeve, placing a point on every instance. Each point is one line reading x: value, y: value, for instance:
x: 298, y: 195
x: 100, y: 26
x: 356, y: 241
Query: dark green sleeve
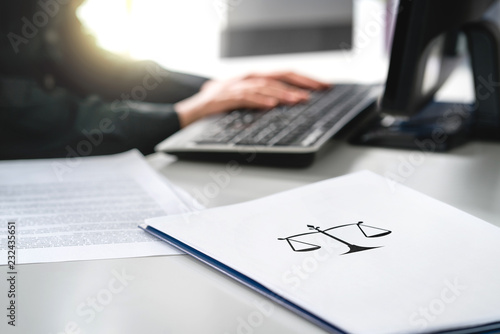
x: 39, y: 124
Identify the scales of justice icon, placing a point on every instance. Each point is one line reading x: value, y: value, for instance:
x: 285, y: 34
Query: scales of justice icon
x: 366, y: 230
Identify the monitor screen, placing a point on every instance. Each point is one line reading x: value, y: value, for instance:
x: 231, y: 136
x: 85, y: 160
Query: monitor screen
x: 261, y: 27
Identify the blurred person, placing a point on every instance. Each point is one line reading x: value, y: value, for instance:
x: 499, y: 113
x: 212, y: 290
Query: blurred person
x: 62, y: 96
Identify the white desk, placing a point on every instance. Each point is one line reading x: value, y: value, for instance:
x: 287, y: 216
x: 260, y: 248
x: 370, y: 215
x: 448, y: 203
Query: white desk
x: 178, y: 295
x: 467, y: 178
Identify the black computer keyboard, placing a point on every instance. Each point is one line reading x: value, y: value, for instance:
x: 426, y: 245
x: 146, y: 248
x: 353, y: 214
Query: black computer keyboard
x: 284, y: 136
x: 299, y: 125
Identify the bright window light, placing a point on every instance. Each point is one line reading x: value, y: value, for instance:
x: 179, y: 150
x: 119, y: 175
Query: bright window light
x: 175, y: 33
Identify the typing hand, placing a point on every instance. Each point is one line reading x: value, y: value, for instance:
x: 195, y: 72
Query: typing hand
x: 256, y: 91
x: 293, y: 79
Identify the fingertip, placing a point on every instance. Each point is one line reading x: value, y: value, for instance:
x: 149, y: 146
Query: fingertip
x: 271, y: 102
x: 322, y: 86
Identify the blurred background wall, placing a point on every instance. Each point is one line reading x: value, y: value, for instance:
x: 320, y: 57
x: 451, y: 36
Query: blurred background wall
x: 141, y: 28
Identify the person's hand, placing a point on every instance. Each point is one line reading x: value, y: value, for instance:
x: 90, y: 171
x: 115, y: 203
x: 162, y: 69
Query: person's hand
x: 255, y: 91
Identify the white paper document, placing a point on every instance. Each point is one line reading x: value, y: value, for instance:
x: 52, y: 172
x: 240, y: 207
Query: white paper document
x: 357, y: 254
x: 84, y: 208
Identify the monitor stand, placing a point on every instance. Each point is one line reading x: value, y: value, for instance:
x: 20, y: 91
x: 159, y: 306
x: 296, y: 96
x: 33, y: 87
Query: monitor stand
x: 438, y: 127
x: 443, y: 126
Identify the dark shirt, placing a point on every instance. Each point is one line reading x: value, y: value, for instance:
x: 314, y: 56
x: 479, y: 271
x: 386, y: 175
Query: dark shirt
x: 61, y: 95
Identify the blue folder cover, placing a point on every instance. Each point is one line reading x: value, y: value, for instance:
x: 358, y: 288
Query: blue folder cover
x: 249, y: 282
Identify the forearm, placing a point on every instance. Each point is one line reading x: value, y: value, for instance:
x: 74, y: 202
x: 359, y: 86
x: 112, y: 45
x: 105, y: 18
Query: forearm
x: 125, y: 125
x: 60, y: 124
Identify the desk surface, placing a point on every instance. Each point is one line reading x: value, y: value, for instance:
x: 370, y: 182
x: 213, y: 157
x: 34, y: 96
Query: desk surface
x: 467, y: 177
x: 176, y: 294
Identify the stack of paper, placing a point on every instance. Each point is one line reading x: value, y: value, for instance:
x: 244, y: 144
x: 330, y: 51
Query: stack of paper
x: 84, y: 208
x: 354, y: 255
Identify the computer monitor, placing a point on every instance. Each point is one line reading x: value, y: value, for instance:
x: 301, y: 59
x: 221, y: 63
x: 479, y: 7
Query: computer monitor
x: 425, y: 51
x: 264, y: 27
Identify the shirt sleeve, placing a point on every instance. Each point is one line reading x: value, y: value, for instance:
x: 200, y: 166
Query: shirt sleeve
x: 39, y: 124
